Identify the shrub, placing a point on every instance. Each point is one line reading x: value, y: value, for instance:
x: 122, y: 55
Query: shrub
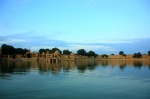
x: 137, y: 55
x: 28, y: 55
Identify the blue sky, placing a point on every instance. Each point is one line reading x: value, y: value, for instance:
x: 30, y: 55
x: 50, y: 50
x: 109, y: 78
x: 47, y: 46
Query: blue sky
x: 104, y: 26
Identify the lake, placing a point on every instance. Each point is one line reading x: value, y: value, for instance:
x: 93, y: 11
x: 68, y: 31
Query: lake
x: 75, y: 80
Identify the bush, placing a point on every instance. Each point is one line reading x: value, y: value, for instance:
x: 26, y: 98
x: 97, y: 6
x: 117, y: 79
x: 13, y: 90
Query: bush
x: 28, y: 55
x: 104, y: 55
x: 121, y: 53
x: 124, y: 55
x: 148, y: 52
x: 137, y: 55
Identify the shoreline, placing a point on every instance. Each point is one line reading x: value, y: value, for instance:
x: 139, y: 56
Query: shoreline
x: 89, y: 59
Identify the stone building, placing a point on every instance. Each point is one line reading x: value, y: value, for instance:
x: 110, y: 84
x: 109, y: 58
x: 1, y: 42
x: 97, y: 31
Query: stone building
x: 57, y: 54
x: 48, y: 56
x: 72, y: 56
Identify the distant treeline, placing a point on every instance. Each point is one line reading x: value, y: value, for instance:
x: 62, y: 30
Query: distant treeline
x: 8, y: 49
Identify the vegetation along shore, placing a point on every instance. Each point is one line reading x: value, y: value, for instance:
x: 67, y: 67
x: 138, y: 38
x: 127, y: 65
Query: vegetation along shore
x: 8, y: 52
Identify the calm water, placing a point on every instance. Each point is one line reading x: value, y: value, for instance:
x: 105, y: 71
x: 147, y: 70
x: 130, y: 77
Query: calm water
x: 80, y: 80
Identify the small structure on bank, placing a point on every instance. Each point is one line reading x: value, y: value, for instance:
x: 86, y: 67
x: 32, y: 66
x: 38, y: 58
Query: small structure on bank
x: 55, y: 57
x: 72, y: 56
x: 57, y: 54
x: 48, y: 56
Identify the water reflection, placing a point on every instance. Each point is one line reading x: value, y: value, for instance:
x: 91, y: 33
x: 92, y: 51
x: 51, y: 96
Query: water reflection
x: 23, y: 67
x: 47, y: 67
x: 83, y: 65
x: 17, y: 67
x: 137, y: 64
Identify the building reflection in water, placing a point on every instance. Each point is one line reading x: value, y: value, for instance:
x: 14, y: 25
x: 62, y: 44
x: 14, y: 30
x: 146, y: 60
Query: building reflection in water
x: 67, y: 65
x: 47, y: 67
x: 23, y: 67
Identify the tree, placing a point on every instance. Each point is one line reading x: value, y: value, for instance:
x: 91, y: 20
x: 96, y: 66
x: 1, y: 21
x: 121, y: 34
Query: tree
x: 7, y: 49
x: 54, y: 49
x: 47, y: 50
x: 104, y: 55
x: 121, y: 53
x: 42, y: 50
x: 28, y: 55
x: 50, y: 51
x: 137, y: 55
x: 67, y: 52
x: 124, y: 55
x: 14, y: 55
x: 148, y: 52
x: 91, y: 53
x: 24, y: 51
x: 19, y: 50
x: 81, y: 52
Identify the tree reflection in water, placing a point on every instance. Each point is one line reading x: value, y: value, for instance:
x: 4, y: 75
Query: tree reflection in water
x: 137, y: 64
x: 8, y: 68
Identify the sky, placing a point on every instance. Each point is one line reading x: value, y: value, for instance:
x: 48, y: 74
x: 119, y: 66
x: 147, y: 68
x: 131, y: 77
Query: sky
x: 103, y: 26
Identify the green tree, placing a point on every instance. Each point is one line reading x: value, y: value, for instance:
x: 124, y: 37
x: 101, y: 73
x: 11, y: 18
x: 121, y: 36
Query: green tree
x: 7, y: 49
x: 121, y: 53
x: 50, y: 51
x: 148, y: 52
x: 54, y: 49
x: 137, y: 55
x: 81, y: 52
x: 24, y: 51
x: 19, y: 51
x: 28, y: 55
x: 42, y: 50
x: 14, y: 55
x: 91, y: 53
x: 104, y: 55
x: 67, y: 52
x: 47, y: 50
x: 124, y: 55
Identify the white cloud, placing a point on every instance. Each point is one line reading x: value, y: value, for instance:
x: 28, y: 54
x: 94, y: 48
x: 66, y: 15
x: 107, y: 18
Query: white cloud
x: 12, y: 41
x: 90, y: 47
x: 111, y: 41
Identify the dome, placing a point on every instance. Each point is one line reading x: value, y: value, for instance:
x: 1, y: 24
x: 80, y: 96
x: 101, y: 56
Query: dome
x: 72, y: 54
x: 56, y: 52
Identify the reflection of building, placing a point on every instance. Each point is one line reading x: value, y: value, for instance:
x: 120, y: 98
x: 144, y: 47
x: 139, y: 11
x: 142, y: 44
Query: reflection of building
x: 80, y: 57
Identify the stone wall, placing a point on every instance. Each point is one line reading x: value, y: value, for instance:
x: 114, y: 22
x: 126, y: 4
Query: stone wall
x: 119, y: 57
